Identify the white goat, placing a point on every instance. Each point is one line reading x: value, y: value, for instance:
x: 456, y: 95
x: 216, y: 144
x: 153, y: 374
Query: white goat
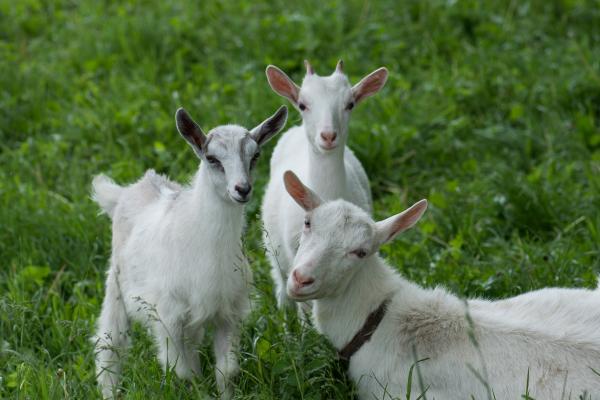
x: 317, y: 151
x: 550, y: 337
x: 177, y: 261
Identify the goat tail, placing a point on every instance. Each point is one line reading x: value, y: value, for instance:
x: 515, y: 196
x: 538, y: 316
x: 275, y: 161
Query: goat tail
x: 112, y: 336
x: 106, y: 193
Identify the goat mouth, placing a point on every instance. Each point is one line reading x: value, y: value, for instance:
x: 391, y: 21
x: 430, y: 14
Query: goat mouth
x: 302, y: 296
x: 327, y: 147
x: 240, y: 201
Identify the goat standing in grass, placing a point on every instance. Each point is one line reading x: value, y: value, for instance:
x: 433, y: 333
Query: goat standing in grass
x: 177, y: 262
x: 317, y: 151
x: 382, y: 324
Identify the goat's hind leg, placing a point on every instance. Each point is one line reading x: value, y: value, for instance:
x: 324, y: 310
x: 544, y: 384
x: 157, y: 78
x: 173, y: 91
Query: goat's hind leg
x: 112, y: 337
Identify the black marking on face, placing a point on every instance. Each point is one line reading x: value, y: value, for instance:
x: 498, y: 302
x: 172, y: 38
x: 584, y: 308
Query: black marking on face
x: 214, y: 162
x: 243, y: 145
x: 254, y: 159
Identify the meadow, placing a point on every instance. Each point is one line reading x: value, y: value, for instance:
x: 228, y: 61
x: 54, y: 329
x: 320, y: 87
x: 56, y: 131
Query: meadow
x: 491, y: 111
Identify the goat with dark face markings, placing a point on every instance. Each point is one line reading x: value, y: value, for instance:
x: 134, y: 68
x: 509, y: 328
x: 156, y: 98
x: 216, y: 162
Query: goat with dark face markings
x: 177, y: 262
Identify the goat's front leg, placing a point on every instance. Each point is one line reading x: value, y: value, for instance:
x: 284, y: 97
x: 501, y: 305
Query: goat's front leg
x: 191, y: 343
x: 226, y: 342
x: 168, y: 332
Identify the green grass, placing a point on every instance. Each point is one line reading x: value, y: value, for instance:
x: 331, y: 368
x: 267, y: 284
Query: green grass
x: 492, y: 112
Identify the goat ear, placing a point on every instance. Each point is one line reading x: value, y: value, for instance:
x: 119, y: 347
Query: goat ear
x: 191, y: 132
x: 306, y: 198
x: 282, y: 84
x: 269, y: 127
x: 370, y: 84
x: 389, y: 228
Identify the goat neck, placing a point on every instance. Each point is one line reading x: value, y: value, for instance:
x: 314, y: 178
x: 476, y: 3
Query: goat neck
x: 221, y: 214
x: 339, y: 317
x: 327, y: 172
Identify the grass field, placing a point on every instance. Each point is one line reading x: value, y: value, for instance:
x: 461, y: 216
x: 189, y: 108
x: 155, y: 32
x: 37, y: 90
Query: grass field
x: 491, y: 111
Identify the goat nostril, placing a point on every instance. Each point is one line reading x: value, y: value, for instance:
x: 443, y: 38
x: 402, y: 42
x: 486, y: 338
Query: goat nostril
x: 243, y: 189
x: 328, y: 137
x: 301, y: 280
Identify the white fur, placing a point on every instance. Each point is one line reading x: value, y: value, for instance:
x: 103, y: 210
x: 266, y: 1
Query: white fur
x: 177, y: 263
x: 334, y: 173
x: 554, y: 334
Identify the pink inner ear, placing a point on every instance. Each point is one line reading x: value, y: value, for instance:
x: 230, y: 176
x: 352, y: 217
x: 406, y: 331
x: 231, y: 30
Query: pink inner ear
x: 282, y: 84
x: 371, y: 84
x: 298, y: 191
x: 407, y: 219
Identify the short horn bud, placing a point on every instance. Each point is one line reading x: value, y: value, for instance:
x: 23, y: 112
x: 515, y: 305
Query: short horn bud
x: 309, y: 68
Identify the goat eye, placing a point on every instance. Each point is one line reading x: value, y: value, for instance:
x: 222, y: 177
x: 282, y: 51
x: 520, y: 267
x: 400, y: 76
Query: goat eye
x: 360, y: 253
x: 350, y: 106
x: 301, y: 106
x: 307, y: 223
x: 212, y: 160
x: 254, y: 159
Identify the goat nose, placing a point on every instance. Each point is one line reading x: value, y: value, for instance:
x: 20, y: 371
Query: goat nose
x: 328, y: 137
x: 243, y: 189
x: 302, y: 280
